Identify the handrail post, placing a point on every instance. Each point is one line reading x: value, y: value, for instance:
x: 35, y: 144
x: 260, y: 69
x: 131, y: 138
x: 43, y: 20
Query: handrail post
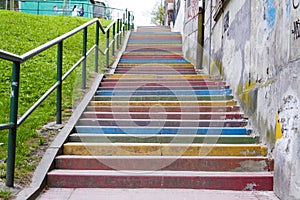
x: 128, y: 21
x: 97, y: 48
x: 59, y: 80
x: 124, y: 23
x: 107, y: 48
x: 114, y: 43
x: 84, y: 46
x: 14, y: 103
x: 121, y: 32
x: 118, y: 34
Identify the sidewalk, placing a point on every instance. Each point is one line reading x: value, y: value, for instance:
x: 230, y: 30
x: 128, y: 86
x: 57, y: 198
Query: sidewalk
x: 152, y: 194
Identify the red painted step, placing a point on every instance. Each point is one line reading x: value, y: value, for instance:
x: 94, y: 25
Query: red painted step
x: 251, y: 164
x: 242, y: 181
x: 127, y: 69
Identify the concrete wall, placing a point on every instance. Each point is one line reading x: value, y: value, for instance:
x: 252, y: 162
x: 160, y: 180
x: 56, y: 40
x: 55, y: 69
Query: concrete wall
x: 259, y: 57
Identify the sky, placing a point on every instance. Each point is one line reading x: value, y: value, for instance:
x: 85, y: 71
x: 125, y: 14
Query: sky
x: 141, y: 9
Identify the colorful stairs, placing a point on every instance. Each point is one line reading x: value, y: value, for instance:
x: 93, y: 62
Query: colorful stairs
x: 155, y: 123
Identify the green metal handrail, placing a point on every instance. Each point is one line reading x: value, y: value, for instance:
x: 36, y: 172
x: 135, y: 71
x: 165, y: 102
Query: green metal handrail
x: 18, y: 60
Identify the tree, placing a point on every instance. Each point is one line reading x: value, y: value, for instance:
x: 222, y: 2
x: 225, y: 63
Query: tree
x: 158, y: 14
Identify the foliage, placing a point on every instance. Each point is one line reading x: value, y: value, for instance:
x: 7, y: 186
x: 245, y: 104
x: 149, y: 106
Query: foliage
x: 19, y: 33
x: 158, y: 14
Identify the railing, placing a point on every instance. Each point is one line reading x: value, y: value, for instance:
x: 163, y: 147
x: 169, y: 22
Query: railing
x: 117, y: 28
x: 86, y: 8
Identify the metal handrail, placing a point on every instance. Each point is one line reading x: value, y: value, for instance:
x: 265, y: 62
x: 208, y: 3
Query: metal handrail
x: 14, y: 123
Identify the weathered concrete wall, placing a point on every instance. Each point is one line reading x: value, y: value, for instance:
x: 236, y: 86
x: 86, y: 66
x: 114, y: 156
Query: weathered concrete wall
x: 188, y: 24
x: 259, y: 56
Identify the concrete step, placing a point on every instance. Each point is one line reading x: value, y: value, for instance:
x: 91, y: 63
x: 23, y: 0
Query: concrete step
x: 166, y: 179
x: 170, y: 84
x: 120, y: 102
x: 161, y: 130
x: 154, y: 69
x: 167, y: 109
x: 175, y: 139
x: 145, y: 87
x: 162, y: 122
x: 163, y: 163
x: 154, y: 149
x: 159, y: 41
x: 180, y: 99
x: 161, y: 77
x: 143, y: 56
x: 171, y: 92
x: 159, y: 113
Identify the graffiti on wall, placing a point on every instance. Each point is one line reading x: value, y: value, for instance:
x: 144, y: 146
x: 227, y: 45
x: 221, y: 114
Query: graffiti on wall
x: 295, y: 30
x: 193, y: 8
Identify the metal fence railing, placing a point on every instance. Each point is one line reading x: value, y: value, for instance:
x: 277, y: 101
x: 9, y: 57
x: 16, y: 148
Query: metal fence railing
x: 116, y: 28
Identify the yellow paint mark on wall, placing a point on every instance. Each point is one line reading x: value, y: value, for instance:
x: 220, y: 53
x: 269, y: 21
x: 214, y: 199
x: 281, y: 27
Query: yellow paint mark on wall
x: 278, y: 128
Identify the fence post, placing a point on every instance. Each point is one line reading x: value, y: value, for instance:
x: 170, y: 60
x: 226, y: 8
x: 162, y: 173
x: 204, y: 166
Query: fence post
x: 128, y: 22
x: 118, y: 34
x: 114, y: 43
x: 84, y: 46
x: 107, y: 48
x: 121, y: 31
x: 124, y: 23
x: 14, y: 103
x: 59, y: 80
x: 97, y: 48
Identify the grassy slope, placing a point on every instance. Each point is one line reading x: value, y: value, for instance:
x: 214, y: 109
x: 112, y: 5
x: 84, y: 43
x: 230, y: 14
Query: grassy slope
x: 20, y: 33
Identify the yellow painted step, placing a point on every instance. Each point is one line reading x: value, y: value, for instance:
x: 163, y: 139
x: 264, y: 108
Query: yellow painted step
x: 118, y: 149
x: 163, y: 103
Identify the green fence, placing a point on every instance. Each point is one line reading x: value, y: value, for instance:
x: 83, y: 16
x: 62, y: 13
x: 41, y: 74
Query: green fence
x: 116, y: 28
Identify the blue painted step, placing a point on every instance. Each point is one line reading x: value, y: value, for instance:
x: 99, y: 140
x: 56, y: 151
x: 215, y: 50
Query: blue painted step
x: 163, y: 92
x: 164, y: 130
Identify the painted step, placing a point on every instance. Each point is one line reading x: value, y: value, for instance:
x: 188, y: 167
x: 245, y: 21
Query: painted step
x: 162, y: 83
x: 163, y: 122
x: 164, y: 130
x: 154, y: 72
x: 165, y: 88
x: 169, y: 65
x: 164, y: 98
x: 143, y: 56
x: 161, y: 114
x: 241, y: 181
x: 154, y: 41
x: 117, y: 92
x: 149, y: 149
x: 159, y: 108
x: 163, y: 69
x: 177, y: 139
x: 164, y: 103
x: 159, y: 77
x: 167, y: 163
x: 153, y: 61
x: 157, y: 80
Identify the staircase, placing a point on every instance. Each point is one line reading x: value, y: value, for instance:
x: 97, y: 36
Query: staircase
x: 155, y: 123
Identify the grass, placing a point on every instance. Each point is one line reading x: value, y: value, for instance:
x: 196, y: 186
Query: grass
x: 20, y: 33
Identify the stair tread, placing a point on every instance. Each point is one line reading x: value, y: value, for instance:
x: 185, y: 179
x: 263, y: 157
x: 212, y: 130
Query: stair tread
x: 157, y: 173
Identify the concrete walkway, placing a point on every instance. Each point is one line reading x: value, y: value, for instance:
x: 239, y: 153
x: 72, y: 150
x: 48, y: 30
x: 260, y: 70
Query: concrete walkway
x: 152, y: 194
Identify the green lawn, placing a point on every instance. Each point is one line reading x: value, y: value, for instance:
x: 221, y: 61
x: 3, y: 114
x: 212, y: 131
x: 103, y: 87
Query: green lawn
x: 20, y: 33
